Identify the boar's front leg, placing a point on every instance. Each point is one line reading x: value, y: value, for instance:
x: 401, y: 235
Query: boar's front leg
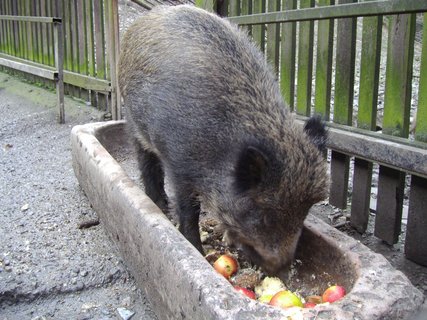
x: 188, y: 211
x: 153, y: 177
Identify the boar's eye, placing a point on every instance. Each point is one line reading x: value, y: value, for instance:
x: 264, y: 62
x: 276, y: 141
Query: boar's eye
x: 316, y: 131
x: 251, y: 166
x: 269, y: 220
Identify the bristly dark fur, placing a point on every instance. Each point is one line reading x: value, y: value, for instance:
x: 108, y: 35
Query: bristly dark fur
x: 316, y: 130
x: 206, y: 111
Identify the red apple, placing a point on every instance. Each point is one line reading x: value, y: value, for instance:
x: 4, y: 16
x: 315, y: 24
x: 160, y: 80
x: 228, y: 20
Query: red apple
x: 226, y: 265
x: 246, y: 292
x: 309, y: 305
x: 285, y: 299
x: 333, y: 294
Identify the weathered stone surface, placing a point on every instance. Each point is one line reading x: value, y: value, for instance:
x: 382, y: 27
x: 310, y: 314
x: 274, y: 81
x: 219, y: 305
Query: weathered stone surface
x: 180, y: 282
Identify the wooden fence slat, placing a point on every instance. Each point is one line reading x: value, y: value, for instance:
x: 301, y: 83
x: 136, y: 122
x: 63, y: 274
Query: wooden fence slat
x: 397, y: 104
x: 15, y: 32
x: 288, y: 57
x: 90, y: 47
x: 112, y: 37
x: 67, y: 35
x: 209, y: 5
x: 339, y: 179
x: 75, y: 91
x: 40, y: 38
x: 44, y: 38
x: 366, y: 118
x: 29, y: 34
x: 343, y: 104
x: 397, y: 99
x: 45, y: 43
x: 305, y: 62
x: 108, y: 53
x: 36, y: 34
x: 421, y: 122
x: 246, y: 9
x: 23, y: 31
x: 82, y: 44
x: 361, y: 194
x: 273, y: 37
x: 388, y: 218
x: 234, y: 8
x: 9, y: 30
x: 68, y: 49
x: 2, y: 34
x: 12, y: 30
x: 344, y: 72
x: 322, y: 101
x: 51, y: 52
x: 5, y: 26
x: 19, y: 34
x: 100, y: 48
x: 416, y: 231
x: 258, y: 32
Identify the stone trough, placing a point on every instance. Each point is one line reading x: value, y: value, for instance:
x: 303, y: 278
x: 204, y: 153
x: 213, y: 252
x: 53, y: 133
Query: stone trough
x: 182, y: 285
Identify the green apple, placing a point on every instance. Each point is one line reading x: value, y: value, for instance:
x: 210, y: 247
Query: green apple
x: 286, y: 299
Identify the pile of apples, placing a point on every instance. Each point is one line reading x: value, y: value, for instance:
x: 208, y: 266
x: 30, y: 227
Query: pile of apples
x: 273, y: 291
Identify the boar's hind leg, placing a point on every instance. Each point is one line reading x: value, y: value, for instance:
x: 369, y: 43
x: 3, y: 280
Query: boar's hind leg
x: 188, y: 211
x: 152, y: 176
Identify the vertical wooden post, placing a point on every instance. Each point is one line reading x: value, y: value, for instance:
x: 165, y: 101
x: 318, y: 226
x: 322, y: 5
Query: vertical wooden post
x: 234, y: 9
x: 29, y: 35
x: 112, y: 38
x: 397, y: 104
x: 287, y: 58
x: 258, y: 32
x: 246, y: 9
x: 325, y: 43
x: 367, y: 116
x: 209, y: 5
x: 273, y: 37
x: 90, y: 47
x: 416, y: 231
x: 305, y: 63
x: 343, y: 104
x: 2, y: 32
x: 100, y: 63
x: 82, y: 44
x: 59, y: 65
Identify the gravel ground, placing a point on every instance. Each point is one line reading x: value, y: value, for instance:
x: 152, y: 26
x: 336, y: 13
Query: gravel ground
x: 49, y: 267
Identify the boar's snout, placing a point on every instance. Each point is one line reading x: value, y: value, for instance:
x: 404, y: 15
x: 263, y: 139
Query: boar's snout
x: 272, y: 257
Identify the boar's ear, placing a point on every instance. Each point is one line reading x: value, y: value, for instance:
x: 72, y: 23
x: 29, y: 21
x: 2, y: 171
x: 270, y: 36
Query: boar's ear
x: 316, y: 131
x: 250, y: 168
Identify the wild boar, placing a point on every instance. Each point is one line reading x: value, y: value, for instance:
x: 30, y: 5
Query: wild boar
x: 205, y: 109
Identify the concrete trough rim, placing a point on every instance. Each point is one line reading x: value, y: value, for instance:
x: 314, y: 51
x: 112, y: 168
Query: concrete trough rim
x: 181, y: 284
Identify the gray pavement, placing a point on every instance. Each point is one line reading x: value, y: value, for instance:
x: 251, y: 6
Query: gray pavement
x: 49, y: 267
